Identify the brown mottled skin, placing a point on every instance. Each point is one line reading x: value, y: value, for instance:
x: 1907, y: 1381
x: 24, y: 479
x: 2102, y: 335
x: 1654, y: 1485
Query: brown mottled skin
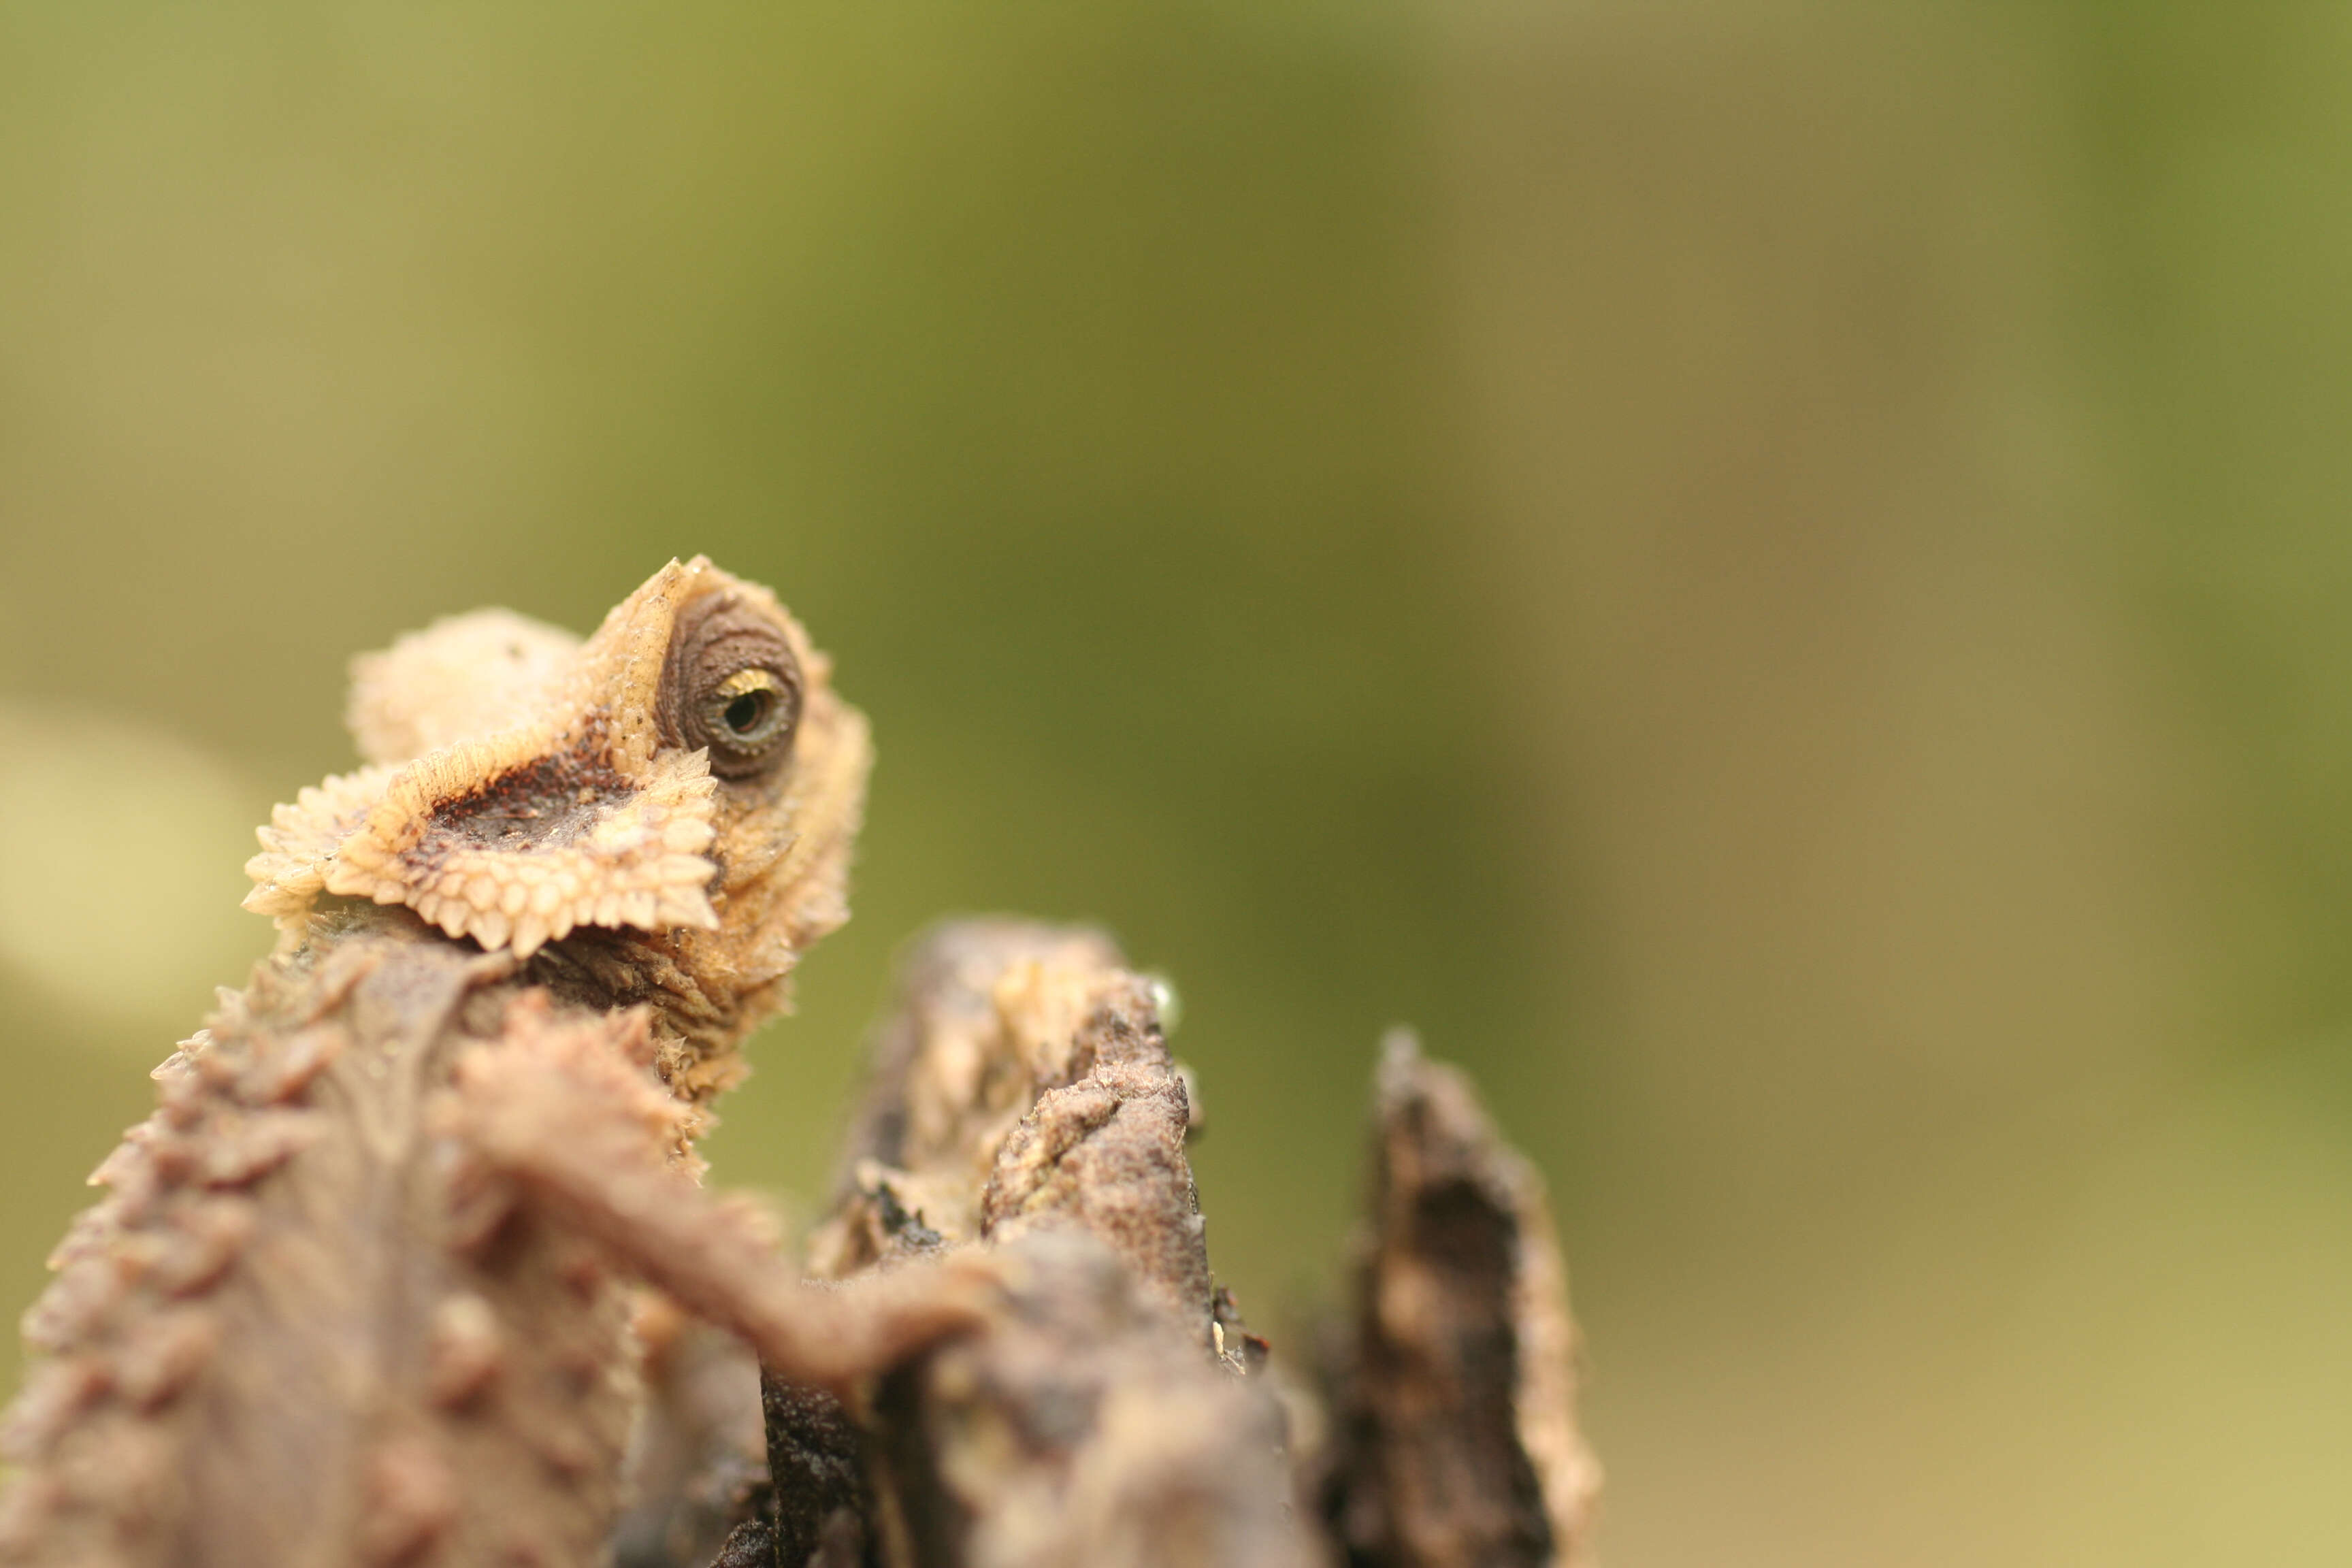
x: 357, y: 1292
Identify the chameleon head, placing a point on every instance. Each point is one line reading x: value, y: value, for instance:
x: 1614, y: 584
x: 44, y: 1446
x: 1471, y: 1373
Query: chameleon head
x: 686, y: 774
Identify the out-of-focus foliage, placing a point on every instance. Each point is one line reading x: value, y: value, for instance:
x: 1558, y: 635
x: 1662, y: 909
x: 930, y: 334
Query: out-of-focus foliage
x: 1770, y: 574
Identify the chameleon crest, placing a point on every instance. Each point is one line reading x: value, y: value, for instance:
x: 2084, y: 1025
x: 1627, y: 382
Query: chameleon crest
x: 687, y: 773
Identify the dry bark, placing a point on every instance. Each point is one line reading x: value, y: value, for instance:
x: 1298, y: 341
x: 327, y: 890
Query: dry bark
x: 1456, y: 1442
x: 1110, y: 1408
x: 1024, y: 1109
x: 697, y: 1460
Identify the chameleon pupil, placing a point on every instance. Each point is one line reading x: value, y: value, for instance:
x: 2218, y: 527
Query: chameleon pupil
x: 743, y: 714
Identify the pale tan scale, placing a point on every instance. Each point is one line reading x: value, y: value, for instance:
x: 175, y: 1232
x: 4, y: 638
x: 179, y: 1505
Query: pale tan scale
x: 465, y: 1350
x: 428, y: 689
x: 208, y: 1242
x: 411, y: 1499
x: 358, y: 855
x: 162, y: 1361
x: 54, y: 1394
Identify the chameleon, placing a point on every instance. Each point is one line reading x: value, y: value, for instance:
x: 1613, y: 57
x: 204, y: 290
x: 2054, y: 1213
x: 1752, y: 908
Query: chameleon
x: 359, y: 1288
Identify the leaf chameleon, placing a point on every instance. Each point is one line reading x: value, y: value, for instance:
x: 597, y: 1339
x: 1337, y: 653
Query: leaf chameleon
x: 359, y: 1290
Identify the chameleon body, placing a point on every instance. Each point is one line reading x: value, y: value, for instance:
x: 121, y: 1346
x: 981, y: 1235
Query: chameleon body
x: 357, y: 1292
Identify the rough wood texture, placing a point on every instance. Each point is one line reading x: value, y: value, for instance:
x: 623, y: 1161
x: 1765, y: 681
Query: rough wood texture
x: 1024, y: 1081
x: 1024, y: 1109
x: 1108, y: 1407
x: 697, y: 1458
x: 1455, y: 1443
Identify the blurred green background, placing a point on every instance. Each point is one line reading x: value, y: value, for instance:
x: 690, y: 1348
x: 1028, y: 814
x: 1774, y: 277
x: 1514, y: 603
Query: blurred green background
x: 1771, y: 574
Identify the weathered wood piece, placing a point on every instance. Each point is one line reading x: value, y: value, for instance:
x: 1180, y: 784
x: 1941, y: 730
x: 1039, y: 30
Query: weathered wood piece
x: 697, y: 1460
x: 1455, y: 1442
x: 1024, y: 1081
x: 1025, y: 1112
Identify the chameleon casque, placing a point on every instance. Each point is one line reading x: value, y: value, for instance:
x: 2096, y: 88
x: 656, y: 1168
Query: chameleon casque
x: 360, y: 1288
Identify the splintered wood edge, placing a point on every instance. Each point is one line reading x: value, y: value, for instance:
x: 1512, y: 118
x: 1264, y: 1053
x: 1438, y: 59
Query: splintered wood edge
x: 1410, y: 1478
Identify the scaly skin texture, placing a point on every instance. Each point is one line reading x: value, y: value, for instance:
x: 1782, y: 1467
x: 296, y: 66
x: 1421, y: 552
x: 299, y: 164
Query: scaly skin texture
x: 355, y: 1295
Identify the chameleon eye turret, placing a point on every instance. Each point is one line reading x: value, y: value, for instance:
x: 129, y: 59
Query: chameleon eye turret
x: 752, y: 710
x: 732, y: 686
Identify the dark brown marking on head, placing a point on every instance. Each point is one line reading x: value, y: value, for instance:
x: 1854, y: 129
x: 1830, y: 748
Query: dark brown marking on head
x: 731, y: 685
x: 547, y: 802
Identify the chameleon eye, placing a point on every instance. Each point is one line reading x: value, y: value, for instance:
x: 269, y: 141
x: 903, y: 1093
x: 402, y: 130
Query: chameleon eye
x: 733, y: 686
x: 751, y: 707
